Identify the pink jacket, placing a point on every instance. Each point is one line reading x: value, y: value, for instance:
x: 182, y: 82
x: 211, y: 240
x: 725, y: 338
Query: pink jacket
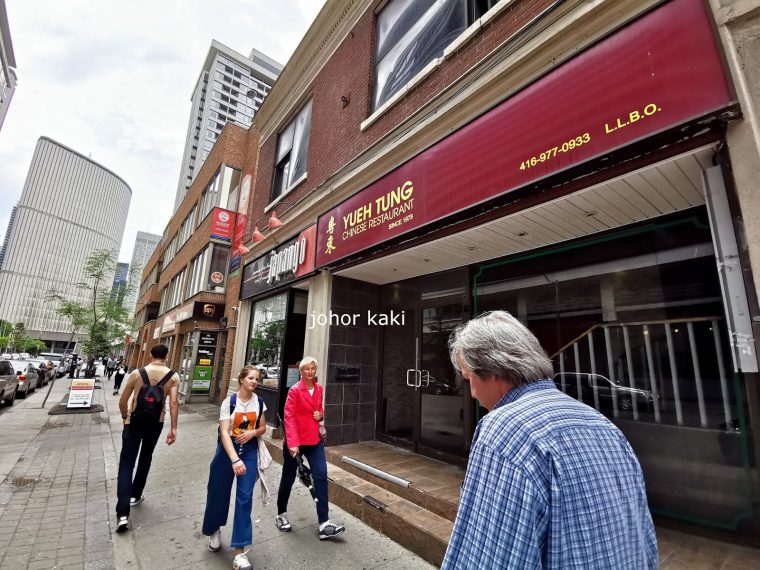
x: 300, y: 426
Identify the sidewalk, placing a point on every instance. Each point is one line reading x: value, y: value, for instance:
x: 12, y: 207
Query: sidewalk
x: 58, y: 494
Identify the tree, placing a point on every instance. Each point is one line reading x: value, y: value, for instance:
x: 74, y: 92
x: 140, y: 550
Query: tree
x: 101, y: 319
x: 18, y: 337
x: 34, y: 346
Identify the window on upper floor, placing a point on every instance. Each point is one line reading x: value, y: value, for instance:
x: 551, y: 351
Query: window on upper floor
x: 292, y: 151
x: 412, y: 33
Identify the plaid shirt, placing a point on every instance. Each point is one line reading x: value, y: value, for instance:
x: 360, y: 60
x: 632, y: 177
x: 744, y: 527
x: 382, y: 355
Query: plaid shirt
x: 551, y: 483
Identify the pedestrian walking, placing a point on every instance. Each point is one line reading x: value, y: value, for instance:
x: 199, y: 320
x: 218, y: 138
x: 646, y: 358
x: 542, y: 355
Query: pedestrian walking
x: 120, y: 372
x: 304, y: 413
x: 82, y: 368
x: 550, y: 483
x: 110, y: 365
x: 241, y: 423
x: 142, y: 406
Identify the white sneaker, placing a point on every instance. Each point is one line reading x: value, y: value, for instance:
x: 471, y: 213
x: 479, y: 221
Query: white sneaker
x: 241, y: 562
x: 215, y: 541
x: 133, y: 502
x: 282, y: 522
x: 330, y: 530
x: 122, y: 525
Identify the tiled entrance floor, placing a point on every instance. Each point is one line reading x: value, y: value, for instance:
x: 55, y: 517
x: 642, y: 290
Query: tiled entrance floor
x: 430, y: 503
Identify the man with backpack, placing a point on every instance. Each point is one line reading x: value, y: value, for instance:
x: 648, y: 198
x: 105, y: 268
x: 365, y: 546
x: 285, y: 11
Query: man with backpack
x: 143, y: 406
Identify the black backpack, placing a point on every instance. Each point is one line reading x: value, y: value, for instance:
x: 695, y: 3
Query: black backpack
x: 150, y: 400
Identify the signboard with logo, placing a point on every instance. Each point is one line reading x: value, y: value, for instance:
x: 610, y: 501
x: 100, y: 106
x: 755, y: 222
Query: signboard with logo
x: 660, y: 71
x: 202, y: 378
x: 170, y: 320
x: 291, y: 260
x: 222, y: 225
x: 80, y: 394
x: 184, y: 312
x: 204, y: 361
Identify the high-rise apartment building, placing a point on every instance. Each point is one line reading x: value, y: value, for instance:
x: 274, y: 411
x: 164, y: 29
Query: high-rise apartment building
x: 145, y: 243
x: 7, y: 63
x: 120, y: 279
x: 230, y: 87
x: 70, y: 207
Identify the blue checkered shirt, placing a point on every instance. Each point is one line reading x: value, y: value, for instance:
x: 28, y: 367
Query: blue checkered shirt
x: 551, y: 483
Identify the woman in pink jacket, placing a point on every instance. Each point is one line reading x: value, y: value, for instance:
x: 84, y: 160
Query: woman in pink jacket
x: 303, y: 414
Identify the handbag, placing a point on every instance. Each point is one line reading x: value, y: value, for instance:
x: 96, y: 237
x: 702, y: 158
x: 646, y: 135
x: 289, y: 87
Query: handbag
x: 322, y: 432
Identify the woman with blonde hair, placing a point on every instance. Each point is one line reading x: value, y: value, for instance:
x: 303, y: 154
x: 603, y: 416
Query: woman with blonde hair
x: 241, y: 423
x: 303, y: 415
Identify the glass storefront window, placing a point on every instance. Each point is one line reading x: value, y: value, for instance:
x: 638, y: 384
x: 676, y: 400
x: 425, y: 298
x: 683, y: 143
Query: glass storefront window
x: 635, y: 328
x: 266, y: 337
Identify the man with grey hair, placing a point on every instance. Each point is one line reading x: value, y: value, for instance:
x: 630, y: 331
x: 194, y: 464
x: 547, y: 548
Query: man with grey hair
x: 550, y: 482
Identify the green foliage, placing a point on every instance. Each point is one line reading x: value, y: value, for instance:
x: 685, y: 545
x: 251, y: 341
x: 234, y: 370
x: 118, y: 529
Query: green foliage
x: 102, y: 319
x: 266, y: 341
x: 34, y: 346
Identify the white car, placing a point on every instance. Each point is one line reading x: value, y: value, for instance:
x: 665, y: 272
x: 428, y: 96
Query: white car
x: 28, y: 376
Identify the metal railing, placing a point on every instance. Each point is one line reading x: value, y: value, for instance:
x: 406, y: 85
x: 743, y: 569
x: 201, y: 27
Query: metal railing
x: 641, y: 368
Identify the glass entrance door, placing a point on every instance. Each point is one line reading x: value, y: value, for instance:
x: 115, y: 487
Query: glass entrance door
x: 425, y: 405
x: 442, y: 401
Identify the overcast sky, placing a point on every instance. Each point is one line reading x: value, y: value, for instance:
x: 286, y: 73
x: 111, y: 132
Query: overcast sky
x: 113, y: 80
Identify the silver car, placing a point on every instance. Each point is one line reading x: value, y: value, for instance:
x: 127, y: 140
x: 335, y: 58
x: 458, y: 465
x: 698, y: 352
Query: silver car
x: 8, y: 383
x: 27, y: 374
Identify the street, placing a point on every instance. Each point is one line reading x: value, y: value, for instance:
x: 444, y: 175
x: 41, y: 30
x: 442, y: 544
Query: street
x: 58, y: 494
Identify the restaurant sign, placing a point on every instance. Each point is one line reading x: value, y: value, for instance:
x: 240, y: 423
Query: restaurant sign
x: 660, y: 71
x: 291, y: 260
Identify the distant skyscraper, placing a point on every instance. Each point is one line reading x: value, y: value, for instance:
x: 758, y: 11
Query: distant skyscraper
x: 7, y: 235
x: 120, y: 279
x: 145, y: 243
x: 7, y: 63
x: 70, y: 207
x: 231, y: 87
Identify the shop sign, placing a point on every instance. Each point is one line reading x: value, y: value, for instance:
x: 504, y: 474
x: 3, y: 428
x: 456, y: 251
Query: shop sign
x: 661, y: 70
x: 185, y: 312
x: 202, y: 378
x: 170, y: 320
x: 80, y: 394
x: 205, y: 356
x: 222, y: 225
x: 157, y: 330
x: 283, y: 264
x: 207, y: 339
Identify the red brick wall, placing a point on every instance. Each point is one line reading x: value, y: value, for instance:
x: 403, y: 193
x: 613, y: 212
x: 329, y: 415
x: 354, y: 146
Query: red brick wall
x: 336, y: 137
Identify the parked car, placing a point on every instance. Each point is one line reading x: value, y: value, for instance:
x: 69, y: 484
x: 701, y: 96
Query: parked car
x: 441, y: 387
x: 605, y: 388
x: 8, y: 383
x: 45, y: 374
x: 56, y: 359
x: 28, y: 376
x: 25, y: 355
x: 15, y: 356
x: 5, y: 355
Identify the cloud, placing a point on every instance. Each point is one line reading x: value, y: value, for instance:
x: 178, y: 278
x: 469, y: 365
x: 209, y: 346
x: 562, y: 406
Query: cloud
x: 114, y: 79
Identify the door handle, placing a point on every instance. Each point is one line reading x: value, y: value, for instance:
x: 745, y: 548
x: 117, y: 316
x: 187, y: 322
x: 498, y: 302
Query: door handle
x: 412, y: 383
x: 424, y: 377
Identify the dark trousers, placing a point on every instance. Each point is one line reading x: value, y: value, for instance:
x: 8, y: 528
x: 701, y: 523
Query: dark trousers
x: 117, y: 381
x: 218, y: 494
x: 135, y: 439
x: 315, y: 457
x: 109, y: 372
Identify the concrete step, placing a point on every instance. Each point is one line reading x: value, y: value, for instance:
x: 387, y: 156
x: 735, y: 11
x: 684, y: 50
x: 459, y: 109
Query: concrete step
x: 407, y: 522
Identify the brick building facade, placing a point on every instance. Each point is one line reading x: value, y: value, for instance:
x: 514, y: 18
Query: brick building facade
x: 554, y: 159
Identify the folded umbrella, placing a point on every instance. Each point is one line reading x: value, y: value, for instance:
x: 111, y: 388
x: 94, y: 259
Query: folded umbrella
x: 304, y: 473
